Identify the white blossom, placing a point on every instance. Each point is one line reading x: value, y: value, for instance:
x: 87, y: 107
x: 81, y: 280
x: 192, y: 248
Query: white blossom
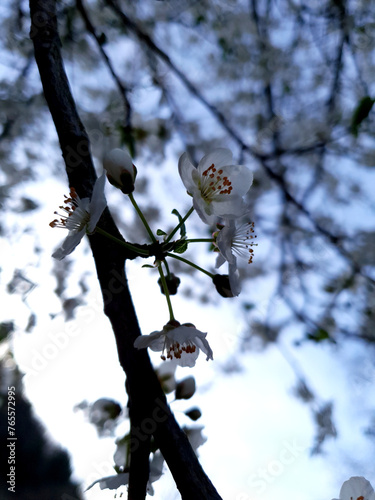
x: 357, y: 488
x: 80, y: 217
x: 234, y: 240
x: 216, y: 185
x: 121, y: 479
x: 179, y: 342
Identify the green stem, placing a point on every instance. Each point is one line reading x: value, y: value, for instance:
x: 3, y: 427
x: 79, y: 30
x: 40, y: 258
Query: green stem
x: 170, y: 236
x: 174, y: 256
x: 167, y: 268
x: 142, y: 217
x: 201, y: 240
x: 129, y: 246
x: 166, y: 292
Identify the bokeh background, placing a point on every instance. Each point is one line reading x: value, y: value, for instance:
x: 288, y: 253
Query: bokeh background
x: 288, y: 404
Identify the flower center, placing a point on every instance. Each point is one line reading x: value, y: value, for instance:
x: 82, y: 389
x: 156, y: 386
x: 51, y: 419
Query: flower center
x: 176, y: 350
x: 213, y: 183
x: 75, y: 217
x: 242, y: 241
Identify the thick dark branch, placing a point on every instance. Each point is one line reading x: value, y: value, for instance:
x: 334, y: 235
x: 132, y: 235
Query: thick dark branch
x: 146, y: 399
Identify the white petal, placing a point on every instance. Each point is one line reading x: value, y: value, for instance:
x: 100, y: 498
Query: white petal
x: 224, y: 241
x: 219, y: 157
x: 156, y: 466
x: 183, y: 334
x: 195, y: 437
x: 204, y: 346
x: 154, y: 341
x: 234, y: 279
x: 356, y: 487
x: 114, y: 482
x: 69, y: 244
x: 203, y: 210
x: 98, y: 203
x: 116, y: 161
x: 111, y: 482
x: 219, y: 261
x: 240, y: 177
x: 187, y: 359
x: 230, y: 207
x: 186, y: 169
x: 189, y: 334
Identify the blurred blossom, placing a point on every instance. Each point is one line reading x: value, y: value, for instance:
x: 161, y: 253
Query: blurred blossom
x: 114, y: 482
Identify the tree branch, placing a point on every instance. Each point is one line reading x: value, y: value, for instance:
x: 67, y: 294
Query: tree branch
x: 147, y: 401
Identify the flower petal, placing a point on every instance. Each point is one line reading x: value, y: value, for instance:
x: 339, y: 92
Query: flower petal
x: 69, y: 244
x: 184, y: 334
x: 203, y: 210
x: 204, y: 346
x: 220, y: 157
x: 155, y: 341
x: 219, y: 261
x: 230, y: 207
x: 187, y: 359
x: 241, y: 178
x: 97, y: 204
x: 355, y: 488
x: 186, y: 169
x: 224, y: 241
x: 234, y: 279
x: 111, y: 482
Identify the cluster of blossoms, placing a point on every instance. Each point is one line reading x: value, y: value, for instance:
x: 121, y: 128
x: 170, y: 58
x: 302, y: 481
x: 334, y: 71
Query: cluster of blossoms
x: 217, y: 188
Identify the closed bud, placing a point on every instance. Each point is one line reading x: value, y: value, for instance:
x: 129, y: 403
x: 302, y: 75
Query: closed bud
x: 121, y: 172
x: 172, y: 284
x: 186, y: 388
x: 194, y: 414
x: 221, y: 281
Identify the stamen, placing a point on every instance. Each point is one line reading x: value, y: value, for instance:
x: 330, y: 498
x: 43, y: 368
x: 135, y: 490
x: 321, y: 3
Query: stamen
x: 75, y: 217
x: 212, y: 184
x: 242, y: 241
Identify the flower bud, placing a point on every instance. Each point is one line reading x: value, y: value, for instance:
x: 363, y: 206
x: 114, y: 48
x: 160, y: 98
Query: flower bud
x: 121, y: 172
x: 194, y: 414
x: 172, y: 284
x: 222, y: 284
x: 186, y: 388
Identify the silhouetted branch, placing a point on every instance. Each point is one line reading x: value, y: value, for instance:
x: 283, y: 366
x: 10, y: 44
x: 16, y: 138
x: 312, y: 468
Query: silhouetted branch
x: 147, y: 401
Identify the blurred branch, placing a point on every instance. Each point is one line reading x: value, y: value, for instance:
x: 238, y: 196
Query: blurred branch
x: 337, y: 66
x: 146, y: 398
x: 123, y: 91
x: 278, y: 178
